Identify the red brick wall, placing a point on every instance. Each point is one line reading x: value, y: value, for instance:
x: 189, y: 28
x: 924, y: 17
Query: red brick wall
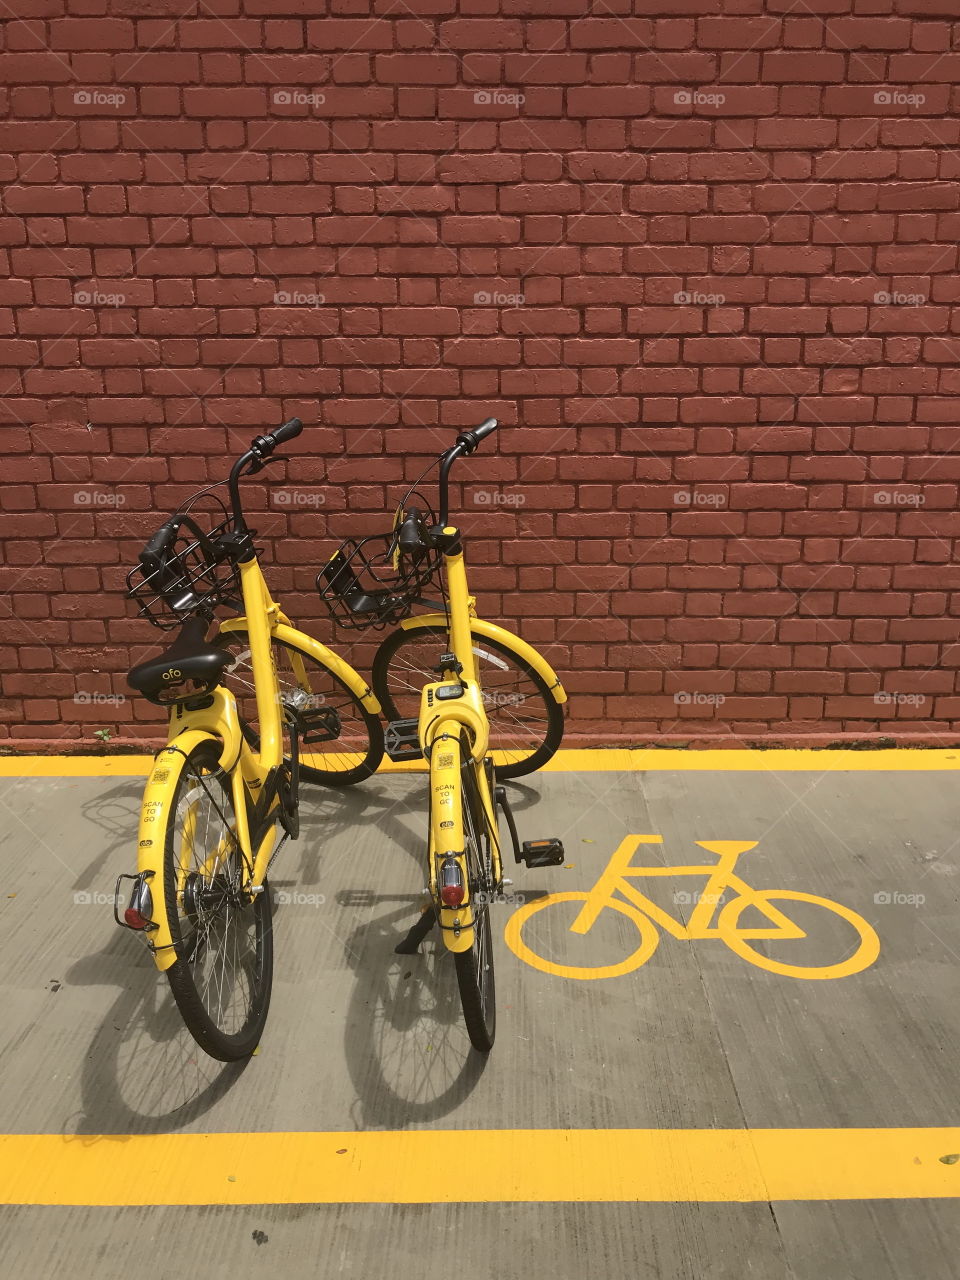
x: 659, y: 240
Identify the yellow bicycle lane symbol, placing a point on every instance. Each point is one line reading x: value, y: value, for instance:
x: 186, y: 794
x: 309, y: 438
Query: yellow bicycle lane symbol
x: 647, y: 915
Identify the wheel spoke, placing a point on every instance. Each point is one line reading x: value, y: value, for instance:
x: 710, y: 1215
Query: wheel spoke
x: 214, y: 924
x: 306, y: 685
x: 523, y: 718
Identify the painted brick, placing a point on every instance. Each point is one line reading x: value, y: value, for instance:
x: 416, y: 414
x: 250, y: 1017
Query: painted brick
x: 525, y: 214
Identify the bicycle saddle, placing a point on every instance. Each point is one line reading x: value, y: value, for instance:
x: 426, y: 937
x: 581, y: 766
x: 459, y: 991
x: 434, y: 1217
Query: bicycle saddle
x: 191, y: 658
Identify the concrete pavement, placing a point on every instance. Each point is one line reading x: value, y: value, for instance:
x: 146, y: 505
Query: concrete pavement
x: 364, y: 1045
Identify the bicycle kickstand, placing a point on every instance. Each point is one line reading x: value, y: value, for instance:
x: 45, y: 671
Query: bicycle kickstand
x: 411, y: 943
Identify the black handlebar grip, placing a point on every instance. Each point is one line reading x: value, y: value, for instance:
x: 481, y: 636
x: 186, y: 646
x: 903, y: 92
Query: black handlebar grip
x: 471, y: 440
x: 410, y: 536
x: 264, y: 446
x: 161, y: 539
x: 289, y: 431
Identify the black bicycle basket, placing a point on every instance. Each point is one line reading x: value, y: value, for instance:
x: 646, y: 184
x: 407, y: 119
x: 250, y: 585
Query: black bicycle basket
x: 366, y: 583
x: 184, y: 571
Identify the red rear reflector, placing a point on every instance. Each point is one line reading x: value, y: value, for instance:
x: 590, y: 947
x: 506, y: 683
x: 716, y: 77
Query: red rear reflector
x: 451, y: 895
x: 134, y: 919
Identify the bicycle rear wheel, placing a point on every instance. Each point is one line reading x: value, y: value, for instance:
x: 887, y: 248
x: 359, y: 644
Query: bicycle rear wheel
x: 475, y: 973
x: 223, y: 974
x: 354, y: 736
x: 526, y: 722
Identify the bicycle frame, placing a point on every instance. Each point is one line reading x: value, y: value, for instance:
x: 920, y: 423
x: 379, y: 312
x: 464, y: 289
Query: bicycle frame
x: 441, y: 738
x: 214, y: 719
x: 721, y: 875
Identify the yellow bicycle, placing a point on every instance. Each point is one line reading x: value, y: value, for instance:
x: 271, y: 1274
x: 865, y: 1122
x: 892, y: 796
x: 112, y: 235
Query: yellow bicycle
x: 374, y: 582
x: 646, y: 915
x: 223, y: 794
x: 522, y: 695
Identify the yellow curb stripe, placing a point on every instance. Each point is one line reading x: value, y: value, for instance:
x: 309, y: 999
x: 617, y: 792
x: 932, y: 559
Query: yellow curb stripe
x: 574, y: 760
x: 515, y: 1166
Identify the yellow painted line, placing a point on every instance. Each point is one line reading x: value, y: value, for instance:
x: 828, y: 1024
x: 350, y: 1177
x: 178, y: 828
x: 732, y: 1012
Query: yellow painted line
x: 802, y: 759
x: 75, y: 766
x: 573, y: 760
x: 515, y: 1166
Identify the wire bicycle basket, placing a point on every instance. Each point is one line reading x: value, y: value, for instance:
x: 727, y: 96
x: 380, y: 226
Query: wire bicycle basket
x: 184, y: 571
x: 368, y: 583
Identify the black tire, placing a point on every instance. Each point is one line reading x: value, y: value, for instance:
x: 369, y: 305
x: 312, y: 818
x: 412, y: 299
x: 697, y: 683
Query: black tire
x: 361, y: 730
x: 210, y: 920
x: 475, y: 972
x: 407, y: 660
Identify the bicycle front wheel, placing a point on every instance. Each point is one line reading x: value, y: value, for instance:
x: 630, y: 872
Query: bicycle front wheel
x: 475, y: 975
x: 526, y: 722
x: 223, y: 938
x: 352, y: 745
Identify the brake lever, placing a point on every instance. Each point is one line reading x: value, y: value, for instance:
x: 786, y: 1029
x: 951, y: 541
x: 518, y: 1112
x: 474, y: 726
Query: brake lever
x: 259, y: 463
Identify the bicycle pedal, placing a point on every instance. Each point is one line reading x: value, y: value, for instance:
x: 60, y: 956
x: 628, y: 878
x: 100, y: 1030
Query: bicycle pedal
x: 542, y: 853
x: 401, y: 740
x: 321, y: 725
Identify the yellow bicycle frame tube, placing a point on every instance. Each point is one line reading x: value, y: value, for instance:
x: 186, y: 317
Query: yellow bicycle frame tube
x: 458, y: 593
x: 281, y: 630
x: 257, y: 604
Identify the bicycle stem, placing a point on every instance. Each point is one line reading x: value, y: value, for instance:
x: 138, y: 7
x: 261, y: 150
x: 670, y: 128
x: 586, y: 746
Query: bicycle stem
x: 446, y: 463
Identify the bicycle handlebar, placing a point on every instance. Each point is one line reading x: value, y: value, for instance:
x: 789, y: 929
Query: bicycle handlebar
x: 265, y: 445
x: 254, y: 460
x: 471, y: 440
x: 467, y: 442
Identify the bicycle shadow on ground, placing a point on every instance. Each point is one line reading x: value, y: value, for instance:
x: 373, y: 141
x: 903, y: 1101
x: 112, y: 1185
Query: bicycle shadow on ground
x: 116, y: 813
x: 142, y: 1071
x: 405, y: 1043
